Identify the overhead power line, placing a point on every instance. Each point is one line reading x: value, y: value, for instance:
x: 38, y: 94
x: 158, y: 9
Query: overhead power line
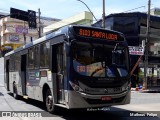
x: 134, y: 9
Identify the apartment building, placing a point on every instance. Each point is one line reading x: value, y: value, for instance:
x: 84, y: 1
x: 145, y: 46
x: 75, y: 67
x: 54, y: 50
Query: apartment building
x: 15, y: 33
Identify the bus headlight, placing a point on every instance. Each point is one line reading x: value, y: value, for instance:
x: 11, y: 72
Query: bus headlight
x: 75, y: 87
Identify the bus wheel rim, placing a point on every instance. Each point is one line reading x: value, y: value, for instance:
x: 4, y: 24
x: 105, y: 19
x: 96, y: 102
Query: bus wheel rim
x: 49, y: 103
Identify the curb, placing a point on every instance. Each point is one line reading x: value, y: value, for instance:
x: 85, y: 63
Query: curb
x: 150, y: 91
x: 146, y: 91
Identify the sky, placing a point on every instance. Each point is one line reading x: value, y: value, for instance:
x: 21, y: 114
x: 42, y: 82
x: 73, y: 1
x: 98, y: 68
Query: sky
x: 62, y: 9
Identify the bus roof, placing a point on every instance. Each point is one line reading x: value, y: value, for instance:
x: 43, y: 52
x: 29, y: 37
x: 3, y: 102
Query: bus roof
x: 42, y: 39
x: 62, y: 31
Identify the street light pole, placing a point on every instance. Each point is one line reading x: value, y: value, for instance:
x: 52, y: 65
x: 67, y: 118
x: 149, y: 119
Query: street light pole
x: 147, y: 46
x: 24, y: 34
x: 103, y: 15
x: 88, y: 9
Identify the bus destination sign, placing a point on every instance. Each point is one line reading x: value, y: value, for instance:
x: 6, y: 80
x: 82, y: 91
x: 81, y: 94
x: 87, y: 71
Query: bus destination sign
x: 101, y: 34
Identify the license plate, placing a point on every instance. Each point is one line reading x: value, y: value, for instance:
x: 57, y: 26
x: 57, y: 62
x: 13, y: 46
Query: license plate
x: 106, y: 98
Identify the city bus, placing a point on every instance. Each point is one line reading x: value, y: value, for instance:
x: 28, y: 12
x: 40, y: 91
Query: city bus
x: 73, y: 67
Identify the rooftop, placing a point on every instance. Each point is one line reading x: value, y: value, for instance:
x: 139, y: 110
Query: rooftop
x: 134, y: 14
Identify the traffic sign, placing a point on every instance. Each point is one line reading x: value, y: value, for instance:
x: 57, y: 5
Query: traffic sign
x: 136, y: 50
x: 19, y: 14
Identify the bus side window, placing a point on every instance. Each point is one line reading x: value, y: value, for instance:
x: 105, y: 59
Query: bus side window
x: 54, y: 60
x: 31, y: 58
x: 17, y: 62
x: 12, y: 64
x: 57, y: 58
x: 37, y: 58
x: 44, y: 55
x: 60, y: 65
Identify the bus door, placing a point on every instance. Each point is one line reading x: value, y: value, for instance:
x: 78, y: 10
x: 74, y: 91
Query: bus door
x: 7, y: 74
x: 23, y: 73
x: 58, y: 73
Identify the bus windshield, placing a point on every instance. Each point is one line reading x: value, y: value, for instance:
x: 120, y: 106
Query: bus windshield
x: 100, y: 60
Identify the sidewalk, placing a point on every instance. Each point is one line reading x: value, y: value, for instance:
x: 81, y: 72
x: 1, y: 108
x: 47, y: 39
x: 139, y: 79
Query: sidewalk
x: 154, y: 89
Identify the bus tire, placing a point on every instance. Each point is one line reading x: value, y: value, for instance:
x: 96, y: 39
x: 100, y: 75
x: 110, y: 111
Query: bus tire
x: 15, y: 95
x: 49, y: 102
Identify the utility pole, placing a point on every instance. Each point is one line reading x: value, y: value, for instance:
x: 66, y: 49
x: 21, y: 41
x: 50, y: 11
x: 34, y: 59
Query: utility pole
x: 24, y: 34
x: 39, y: 21
x: 103, y: 15
x: 147, y: 46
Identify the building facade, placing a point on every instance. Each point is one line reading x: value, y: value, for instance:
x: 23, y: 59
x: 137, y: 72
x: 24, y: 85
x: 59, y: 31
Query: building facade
x: 134, y: 27
x: 155, y: 11
x: 83, y: 18
x: 15, y: 33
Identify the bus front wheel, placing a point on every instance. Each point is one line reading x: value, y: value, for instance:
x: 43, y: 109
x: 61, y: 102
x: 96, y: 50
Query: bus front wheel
x: 51, y: 108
